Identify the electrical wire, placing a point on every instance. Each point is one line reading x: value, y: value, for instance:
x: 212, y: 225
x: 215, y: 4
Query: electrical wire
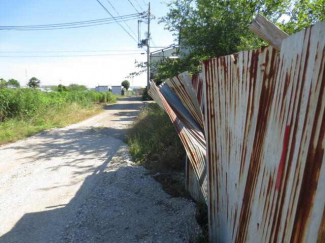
x: 116, y: 21
x: 62, y: 51
x: 99, y: 55
x: 133, y: 6
x: 70, y: 25
x: 109, y: 2
x: 139, y: 5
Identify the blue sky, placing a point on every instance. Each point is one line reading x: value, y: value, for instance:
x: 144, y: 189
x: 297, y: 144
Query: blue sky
x: 90, y: 71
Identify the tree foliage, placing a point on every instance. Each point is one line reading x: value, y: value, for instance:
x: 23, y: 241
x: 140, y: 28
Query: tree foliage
x: 214, y: 28
x: 13, y: 82
x: 34, y: 83
x: 303, y: 14
x: 126, y: 84
x: 61, y: 88
x: 76, y: 87
x: 3, y: 83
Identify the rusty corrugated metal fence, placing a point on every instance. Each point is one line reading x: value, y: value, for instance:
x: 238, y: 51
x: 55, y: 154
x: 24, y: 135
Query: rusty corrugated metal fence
x: 253, y: 126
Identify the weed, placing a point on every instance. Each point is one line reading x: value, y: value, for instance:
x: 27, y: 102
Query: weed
x: 154, y: 142
x: 25, y: 112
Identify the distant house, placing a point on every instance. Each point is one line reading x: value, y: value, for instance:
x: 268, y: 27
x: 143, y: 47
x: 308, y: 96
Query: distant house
x: 101, y: 89
x: 117, y: 90
x: 9, y: 86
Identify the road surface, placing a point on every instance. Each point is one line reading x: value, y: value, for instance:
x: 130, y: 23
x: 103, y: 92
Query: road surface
x: 78, y: 184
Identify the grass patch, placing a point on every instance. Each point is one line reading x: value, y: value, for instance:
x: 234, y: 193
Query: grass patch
x: 25, y: 112
x: 14, y: 129
x: 154, y: 142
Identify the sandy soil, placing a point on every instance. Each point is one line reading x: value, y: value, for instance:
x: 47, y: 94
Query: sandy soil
x: 78, y: 184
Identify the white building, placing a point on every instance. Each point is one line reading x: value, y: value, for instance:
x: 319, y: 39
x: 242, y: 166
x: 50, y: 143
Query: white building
x: 101, y: 89
x: 171, y: 52
x: 117, y: 90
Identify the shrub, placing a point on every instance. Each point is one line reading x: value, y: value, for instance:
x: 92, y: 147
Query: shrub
x: 111, y: 98
x: 26, y: 103
x: 145, y: 95
x: 154, y: 141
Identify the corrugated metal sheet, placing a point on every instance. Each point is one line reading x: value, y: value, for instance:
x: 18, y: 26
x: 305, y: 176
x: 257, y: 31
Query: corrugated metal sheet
x: 183, y: 88
x: 189, y: 132
x: 197, y: 84
x: 265, y: 142
x: 260, y: 163
x: 192, y: 185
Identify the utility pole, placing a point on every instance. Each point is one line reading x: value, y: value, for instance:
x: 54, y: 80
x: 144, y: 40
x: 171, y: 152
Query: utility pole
x: 148, y: 48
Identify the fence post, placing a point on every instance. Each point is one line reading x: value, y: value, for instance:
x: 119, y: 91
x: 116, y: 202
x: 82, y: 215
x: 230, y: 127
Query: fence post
x: 268, y: 31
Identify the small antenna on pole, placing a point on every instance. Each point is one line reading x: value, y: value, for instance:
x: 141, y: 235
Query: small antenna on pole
x: 139, y: 32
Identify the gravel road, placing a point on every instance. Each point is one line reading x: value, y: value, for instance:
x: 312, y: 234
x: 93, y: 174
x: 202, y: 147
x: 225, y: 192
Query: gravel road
x: 78, y: 184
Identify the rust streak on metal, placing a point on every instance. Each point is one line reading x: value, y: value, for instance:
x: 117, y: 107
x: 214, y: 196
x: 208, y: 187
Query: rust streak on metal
x: 253, y: 126
x: 283, y: 158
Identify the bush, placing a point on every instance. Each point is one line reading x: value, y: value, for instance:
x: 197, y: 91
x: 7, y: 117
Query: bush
x: 26, y: 103
x: 154, y: 141
x: 111, y: 98
x: 24, y: 112
x: 145, y: 95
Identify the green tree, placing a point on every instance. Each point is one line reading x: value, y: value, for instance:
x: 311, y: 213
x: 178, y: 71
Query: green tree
x: 61, y: 88
x: 34, y: 83
x: 126, y: 84
x: 213, y: 28
x: 3, y: 83
x: 76, y: 87
x: 13, y: 82
x: 303, y: 14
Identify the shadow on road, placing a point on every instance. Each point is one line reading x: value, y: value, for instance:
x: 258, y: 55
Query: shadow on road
x: 51, y: 225
x: 75, y: 146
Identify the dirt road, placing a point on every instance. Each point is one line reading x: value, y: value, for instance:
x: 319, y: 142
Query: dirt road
x: 78, y: 184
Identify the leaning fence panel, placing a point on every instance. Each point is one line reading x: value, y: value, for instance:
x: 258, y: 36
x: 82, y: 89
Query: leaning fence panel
x: 190, y: 134
x: 268, y: 171
x: 253, y: 126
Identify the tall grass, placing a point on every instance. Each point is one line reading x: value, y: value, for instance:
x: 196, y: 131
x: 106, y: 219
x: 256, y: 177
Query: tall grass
x: 24, y: 112
x: 154, y: 141
x: 26, y: 103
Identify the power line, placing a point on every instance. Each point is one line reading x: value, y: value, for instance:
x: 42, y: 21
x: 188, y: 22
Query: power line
x: 139, y: 5
x: 133, y: 6
x: 73, y: 27
x: 116, y: 21
x: 70, y: 25
x: 68, y: 51
x: 99, y: 55
x: 109, y: 2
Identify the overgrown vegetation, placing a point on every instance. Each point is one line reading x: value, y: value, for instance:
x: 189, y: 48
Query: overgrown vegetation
x: 210, y: 28
x: 24, y: 112
x: 71, y: 87
x: 213, y: 28
x: 145, y: 95
x: 154, y: 142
